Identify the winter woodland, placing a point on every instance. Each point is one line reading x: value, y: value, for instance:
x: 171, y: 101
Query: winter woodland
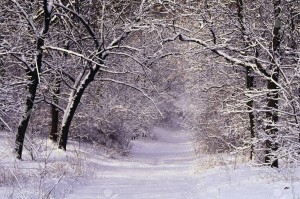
x: 107, y: 73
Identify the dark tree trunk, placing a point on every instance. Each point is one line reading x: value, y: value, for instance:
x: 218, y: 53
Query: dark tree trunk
x: 73, y: 103
x: 31, y: 87
x: 249, y: 75
x: 54, y: 111
x: 250, y: 85
x: 79, y: 86
x: 32, y: 74
x: 272, y: 118
x: 273, y: 93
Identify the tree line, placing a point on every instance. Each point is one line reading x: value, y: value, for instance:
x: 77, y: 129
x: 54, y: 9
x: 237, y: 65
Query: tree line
x: 126, y: 63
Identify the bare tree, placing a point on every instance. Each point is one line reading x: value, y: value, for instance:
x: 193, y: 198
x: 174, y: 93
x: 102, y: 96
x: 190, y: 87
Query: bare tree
x: 98, y: 46
x: 32, y: 69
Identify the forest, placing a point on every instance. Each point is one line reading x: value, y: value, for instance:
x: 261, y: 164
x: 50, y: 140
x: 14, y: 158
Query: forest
x: 106, y: 72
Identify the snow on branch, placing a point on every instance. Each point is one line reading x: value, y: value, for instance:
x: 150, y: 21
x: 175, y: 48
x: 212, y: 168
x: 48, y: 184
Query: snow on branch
x: 70, y: 52
x: 50, y: 6
x: 83, y: 21
x: 5, y: 124
x: 52, y: 103
x: 216, y: 49
x: 29, y: 20
x: 135, y: 88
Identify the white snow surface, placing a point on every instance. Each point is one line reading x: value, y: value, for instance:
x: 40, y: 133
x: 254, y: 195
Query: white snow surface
x: 161, y: 168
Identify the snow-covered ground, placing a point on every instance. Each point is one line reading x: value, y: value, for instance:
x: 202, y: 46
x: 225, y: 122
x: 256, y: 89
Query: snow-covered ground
x: 161, y: 168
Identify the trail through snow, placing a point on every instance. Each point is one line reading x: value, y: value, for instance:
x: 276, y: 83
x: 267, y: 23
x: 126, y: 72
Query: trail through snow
x: 162, y: 168
x: 165, y: 168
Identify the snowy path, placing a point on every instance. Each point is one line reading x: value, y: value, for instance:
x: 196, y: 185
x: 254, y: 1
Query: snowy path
x: 165, y: 169
x: 155, y: 169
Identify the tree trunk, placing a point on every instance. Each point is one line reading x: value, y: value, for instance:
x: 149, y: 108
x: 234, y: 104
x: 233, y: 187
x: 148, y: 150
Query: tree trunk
x: 250, y: 85
x: 249, y: 75
x: 273, y: 94
x: 73, y: 103
x: 79, y: 87
x: 272, y: 117
x: 54, y: 111
x: 32, y: 87
x: 32, y: 73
